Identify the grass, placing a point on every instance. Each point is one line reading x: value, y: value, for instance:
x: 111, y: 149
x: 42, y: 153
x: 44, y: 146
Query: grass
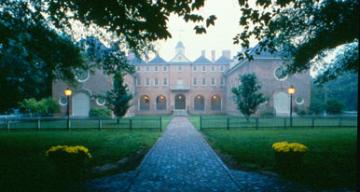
x: 330, y: 162
x: 24, y: 167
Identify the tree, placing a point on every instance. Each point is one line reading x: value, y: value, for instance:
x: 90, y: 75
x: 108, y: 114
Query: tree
x: 334, y: 106
x: 37, y: 38
x: 45, y: 106
x: 344, y: 89
x: 119, y: 97
x: 304, y: 32
x: 247, y: 95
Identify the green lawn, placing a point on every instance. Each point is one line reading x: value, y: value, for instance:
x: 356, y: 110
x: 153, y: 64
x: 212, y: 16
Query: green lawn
x: 23, y: 166
x: 330, y: 162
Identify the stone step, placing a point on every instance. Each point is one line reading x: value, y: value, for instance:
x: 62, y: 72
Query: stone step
x: 177, y: 112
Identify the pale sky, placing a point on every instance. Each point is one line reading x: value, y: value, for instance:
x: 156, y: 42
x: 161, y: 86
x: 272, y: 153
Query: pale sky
x: 218, y: 37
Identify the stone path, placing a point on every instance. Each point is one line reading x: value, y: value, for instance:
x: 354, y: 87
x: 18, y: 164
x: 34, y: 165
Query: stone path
x: 181, y: 160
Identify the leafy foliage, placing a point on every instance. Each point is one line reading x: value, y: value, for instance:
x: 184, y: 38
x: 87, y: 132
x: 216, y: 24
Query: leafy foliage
x: 305, y: 32
x: 247, y: 95
x: 45, y: 106
x: 100, y: 112
x: 343, y: 89
x: 37, y: 39
x: 334, y: 106
x: 119, y: 97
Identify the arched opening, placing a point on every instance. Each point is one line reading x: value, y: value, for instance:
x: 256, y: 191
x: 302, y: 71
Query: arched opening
x: 199, y: 103
x: 144, y: 103
x: 80, y: 105
x: 161, y: 102
x: 216, y: 103
x: 282, y: 104
x: 180, y: 101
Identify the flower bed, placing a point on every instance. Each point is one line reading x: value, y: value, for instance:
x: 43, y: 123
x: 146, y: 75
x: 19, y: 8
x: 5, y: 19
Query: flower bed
x: 289, y: 156
x: 69, y: 160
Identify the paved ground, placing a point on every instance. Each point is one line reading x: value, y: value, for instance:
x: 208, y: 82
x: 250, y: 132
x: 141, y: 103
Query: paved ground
x: 181, y: 160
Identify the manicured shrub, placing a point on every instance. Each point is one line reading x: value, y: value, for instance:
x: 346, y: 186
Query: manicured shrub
x: 100, y: 112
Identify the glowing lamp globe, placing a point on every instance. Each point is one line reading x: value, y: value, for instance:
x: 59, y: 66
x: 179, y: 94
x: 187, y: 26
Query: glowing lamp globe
x: 291, y: 90
x: 67, y: 92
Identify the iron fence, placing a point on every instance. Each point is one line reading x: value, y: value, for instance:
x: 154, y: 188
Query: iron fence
x: 230, y: 122
x: 53, y: 123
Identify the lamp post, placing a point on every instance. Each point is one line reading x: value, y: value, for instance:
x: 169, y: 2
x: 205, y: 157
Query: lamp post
x: 68, y: 93
x: 291, y: 91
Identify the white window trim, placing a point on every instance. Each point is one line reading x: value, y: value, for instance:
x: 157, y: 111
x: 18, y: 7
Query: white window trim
x: 222, y: 68
x: 193, y: 82
x: 100, y: 104
x: 279, y: 79
x: 202, y: 82
x: 83, y: 80
x: 165, y: 68
x: 211, y: 69
x: 299, y: 103
x: 194, y: 68
x: 167, y: 82
x: 61, y: 103
x: 214, y: 82
x: 179, y: 68
x: 202, y: 69
x: 146, y: 84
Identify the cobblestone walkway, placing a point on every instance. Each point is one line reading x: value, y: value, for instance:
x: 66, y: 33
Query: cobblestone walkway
x: 181, y: 160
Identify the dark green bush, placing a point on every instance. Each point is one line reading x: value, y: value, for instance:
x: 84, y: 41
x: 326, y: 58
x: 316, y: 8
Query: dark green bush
x: 44, y: 107
x: 334, y: 106
x: 100, y: 112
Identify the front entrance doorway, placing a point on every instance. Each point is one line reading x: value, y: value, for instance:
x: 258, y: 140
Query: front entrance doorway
x: 180, y: 101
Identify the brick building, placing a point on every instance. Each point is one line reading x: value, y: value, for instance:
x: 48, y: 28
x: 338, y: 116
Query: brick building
x: 182, y: 86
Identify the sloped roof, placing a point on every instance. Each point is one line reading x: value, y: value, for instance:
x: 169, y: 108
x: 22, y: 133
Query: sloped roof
x: 202, y: 60
x: 136, y: 61
x: 157, y: 60
x: 180, y: 59
x: 223, y: 60
x: 267, y: 54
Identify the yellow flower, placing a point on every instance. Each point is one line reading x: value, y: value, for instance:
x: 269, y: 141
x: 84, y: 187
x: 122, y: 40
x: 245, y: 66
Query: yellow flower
x: 69, y: 149
x: 284, y: 146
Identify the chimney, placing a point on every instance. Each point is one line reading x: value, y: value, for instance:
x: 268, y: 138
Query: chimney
x: 203, y: 53
x: 226, y: 53
x: 213, y: 56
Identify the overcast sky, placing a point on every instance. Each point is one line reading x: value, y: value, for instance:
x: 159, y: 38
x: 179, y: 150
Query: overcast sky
x: 218, y: 37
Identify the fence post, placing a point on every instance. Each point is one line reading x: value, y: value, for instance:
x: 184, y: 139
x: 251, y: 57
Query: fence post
x: 130, y: 124
x: 69, y: 124
x: 285, y: 119
x: 256, y: 123
x: 8, y: 124
x: 340, y: 121
x: 160, y: 123
x: 312, y: 122
x: 227, y: 123
x: 100, y: 124
x: 200, y: 122
x: 38, y: 124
